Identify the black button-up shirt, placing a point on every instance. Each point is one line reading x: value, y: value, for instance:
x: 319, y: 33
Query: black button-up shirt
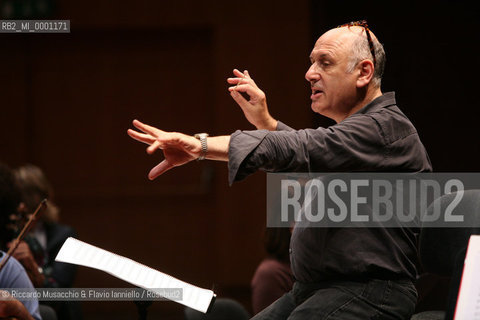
x: 377, y: 138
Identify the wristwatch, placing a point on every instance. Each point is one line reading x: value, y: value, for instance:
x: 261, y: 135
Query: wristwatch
x: 203, y: 140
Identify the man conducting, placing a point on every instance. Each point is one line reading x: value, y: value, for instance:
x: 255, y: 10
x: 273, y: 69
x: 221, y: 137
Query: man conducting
x: 340, y: 273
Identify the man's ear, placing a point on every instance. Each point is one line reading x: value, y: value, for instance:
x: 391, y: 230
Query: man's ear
x: 365, y: 75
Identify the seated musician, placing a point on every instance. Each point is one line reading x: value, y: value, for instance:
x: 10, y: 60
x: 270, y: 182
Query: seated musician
x: 12, y: 274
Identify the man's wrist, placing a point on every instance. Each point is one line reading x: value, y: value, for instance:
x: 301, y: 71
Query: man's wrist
x: 202, y: 137
x: 218, y: 148
x: 270, y: 124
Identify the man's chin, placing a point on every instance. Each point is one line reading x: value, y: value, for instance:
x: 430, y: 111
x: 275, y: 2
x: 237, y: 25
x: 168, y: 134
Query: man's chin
x: 322, y: 110
x: 317, y: 107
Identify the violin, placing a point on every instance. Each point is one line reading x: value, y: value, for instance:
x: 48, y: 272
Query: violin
x: 40, y: 209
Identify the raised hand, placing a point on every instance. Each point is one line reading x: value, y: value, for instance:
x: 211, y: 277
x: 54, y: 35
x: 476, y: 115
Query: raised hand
x: 255, y: 109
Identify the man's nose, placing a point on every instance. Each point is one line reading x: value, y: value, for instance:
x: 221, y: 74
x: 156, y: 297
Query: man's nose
x: 311, y: 75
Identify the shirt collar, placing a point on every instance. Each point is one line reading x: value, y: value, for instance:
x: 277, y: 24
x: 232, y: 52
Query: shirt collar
x: 385, y: 100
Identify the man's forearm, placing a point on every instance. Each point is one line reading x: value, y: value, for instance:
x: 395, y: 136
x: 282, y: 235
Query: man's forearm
x: 269, y: 124
x: 218, y: 148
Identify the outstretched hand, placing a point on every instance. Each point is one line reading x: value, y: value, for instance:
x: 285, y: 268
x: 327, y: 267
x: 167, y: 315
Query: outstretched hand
x: 255, y: 109
x: 177, y: 148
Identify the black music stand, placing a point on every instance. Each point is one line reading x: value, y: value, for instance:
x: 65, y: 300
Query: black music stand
x: 142, y: 306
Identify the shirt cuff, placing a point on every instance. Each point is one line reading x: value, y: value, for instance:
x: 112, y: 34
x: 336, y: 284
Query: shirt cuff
x: 242, y: 143
x: 283, y: 127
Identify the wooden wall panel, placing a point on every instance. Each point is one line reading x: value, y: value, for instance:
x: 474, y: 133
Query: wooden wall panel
x: 14, y: 117
x: 88, y: 87
x: 74, y: 96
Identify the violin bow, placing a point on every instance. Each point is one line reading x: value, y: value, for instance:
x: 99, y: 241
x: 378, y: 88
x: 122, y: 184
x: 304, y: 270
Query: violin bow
x: 41, y: 207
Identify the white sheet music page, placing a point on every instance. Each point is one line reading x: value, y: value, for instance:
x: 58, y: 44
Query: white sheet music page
x: 81, y: 253
x: 468, y: 302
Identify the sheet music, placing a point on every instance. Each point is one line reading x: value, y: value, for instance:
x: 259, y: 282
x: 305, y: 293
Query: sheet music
x: 468, y: 302
x: 81, y: 253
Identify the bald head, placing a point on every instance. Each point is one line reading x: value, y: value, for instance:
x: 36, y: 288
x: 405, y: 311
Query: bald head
x: 342, y: 76
x: 354, y: 40
x: 343, y: 34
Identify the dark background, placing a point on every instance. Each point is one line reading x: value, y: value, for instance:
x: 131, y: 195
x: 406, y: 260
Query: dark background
x: 68, y: 99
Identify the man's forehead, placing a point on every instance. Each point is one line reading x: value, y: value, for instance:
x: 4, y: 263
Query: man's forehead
x: 324, y: 48
x: 334, y: 40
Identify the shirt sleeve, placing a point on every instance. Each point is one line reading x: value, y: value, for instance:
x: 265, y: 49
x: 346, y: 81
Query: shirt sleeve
x: 15, y: 276
x: 283, y: 127
x: 356, y: 144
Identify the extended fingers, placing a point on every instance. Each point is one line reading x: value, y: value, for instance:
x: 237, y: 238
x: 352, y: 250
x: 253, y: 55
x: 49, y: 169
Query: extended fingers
x: 142, y: 137
x: 245, y: 73
x: 165, y: 140
x: 241, y: 78
x: 247, y: 88
x: 237, y: 73
x: 146, y: 128
x: 151, y: 135
x: 238, y: 81
x: 154, y: 146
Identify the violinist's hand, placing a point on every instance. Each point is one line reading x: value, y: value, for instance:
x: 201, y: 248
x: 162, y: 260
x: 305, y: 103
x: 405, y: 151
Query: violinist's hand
x: 178, y: 148
x: 255, y: 109
x: 10, y: 308
x: 24, y: 255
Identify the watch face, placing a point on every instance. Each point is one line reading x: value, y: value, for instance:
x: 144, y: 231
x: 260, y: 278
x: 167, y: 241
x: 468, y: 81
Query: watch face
x: 201, y: 135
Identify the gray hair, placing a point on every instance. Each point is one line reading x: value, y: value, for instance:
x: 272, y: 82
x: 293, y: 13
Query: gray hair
x: 361, y: 51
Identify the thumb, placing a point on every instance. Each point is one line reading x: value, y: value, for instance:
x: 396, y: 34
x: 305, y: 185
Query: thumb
x: 159, y: 169
x: 239, y: 99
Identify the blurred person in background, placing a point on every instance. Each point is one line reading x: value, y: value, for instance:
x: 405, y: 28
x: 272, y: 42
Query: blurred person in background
x: 12, y: 275
x: 38, y: 251
x: 273, y: 277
